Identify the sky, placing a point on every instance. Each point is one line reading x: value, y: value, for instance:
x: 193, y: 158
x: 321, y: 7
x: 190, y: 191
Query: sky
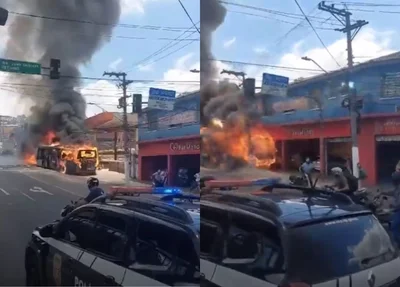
x: 276, y: 33
x: 267, y: 33
x: 141, y: 58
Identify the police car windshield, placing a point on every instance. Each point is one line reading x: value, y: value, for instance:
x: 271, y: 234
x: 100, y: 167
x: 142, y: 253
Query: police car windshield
x: 324, y: 251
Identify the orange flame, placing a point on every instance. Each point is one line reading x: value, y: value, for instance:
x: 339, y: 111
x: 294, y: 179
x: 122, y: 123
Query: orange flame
x: 69, y: 152
x: 253, y: 145
x: 30, y: 159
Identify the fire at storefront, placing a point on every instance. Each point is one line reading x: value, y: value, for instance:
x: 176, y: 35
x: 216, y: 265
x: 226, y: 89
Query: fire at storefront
x: 230, y: 145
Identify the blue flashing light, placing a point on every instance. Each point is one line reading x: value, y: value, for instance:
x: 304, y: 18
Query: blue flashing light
x: 266, y: 181
x: 166, y: 190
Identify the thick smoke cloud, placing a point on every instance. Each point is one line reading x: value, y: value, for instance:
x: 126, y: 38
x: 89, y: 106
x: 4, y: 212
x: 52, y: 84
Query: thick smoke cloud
x: 58, y: 106
x: 212, y: 16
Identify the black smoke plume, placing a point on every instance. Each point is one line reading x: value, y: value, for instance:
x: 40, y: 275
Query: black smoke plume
x: 58, y: 105
x: 212, y: 14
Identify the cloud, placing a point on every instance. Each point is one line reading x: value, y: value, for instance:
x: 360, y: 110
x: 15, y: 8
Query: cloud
x: 136, y: 6
x: 103, y: 95
x: 260, y: 50
x: 229, y: 43
x: 146, y: 68
x: 115, y: 64
x: 368, y: 44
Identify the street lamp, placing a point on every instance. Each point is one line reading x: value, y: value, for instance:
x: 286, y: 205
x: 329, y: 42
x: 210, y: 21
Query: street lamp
x: 311, y: 60
x: 195, y: 71
x: 96, y: 105
x: 3, y: 16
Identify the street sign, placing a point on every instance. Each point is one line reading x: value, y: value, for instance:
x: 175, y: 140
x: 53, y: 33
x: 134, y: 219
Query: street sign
x: 161, y: 99
x: 20, y: 67
x: 274, y: 85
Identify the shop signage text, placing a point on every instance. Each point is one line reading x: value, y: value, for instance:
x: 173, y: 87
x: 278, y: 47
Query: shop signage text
x: 303, y: 132
x: 390, y: 125
x: 186, y: 117
x: 184, y: 146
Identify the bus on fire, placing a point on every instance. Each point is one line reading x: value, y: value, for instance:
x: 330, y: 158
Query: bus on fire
x: 68, y: 160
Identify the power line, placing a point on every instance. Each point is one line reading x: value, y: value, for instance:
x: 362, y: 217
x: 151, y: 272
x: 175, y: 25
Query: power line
x: 187, y: 14
x: 274, y: 12
x: 275, y: 19
x: 365, y: 4
x: 132, y: 26
x: 316, y: 33
x: 266, y: 65
x: 170, y: 53
x: 164, y: 48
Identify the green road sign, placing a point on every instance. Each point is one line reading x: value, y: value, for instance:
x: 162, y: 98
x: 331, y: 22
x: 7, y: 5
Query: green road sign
x: 20, y: 67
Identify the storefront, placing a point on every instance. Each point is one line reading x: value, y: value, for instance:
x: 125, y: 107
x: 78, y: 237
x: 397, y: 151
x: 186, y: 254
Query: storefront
x: 170, y: 154
x: 330, y: 142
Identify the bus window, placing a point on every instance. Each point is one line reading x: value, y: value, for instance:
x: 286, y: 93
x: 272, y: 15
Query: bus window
x: 87, y: 154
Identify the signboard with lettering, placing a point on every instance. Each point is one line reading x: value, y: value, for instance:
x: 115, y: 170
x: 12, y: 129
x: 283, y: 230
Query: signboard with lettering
x: 391, y: 126
x: 274, y: 85
x: 302, y: 132
x: 171, y: 120
x: 161, y: 99
x: 391, y: 85
x: 20, y: 67
x: 189, y: 146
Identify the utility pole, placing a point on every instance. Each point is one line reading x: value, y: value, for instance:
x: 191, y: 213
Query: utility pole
x: 123, y: 104
x: 343, y: 16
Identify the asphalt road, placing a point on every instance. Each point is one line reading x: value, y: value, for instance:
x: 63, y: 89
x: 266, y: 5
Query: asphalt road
x: 29, y: 197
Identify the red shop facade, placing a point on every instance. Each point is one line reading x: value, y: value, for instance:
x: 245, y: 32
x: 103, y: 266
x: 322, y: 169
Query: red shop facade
x: 170, y: 154
x: 378, y: 140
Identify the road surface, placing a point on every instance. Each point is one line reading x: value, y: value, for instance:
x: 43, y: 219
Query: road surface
x: 29, y: 196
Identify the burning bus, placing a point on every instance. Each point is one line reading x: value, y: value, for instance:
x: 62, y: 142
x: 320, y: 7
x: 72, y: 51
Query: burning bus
x: 77, y: 160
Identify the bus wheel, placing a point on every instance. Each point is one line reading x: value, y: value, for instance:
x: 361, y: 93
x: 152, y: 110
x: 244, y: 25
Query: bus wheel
x: 63, y: 169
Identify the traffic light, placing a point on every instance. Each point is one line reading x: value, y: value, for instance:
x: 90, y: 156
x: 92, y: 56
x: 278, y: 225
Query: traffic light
x: 137, y: 104
x: 249, y: 88
x: 3, y: 16
x: 55, y: 65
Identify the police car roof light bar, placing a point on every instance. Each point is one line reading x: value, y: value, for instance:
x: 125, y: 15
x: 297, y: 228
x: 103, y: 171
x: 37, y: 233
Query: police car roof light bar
x: 136, y: 191
x: 242, y: 183
x: 189, y: 197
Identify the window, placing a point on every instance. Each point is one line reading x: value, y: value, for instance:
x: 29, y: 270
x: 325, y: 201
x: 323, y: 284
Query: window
x: 212, y: 225
x: 164, y: 253
x: 111, y: 228
x: 355, y: 244
x: 78, y: 227
x: 154, y: 245
x: 253, y: 247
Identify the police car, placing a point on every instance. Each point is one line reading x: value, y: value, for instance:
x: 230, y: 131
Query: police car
x: 254, y: 236
x: 129, y: 237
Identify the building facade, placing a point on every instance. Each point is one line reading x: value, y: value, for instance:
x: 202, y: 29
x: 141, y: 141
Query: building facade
x: 170, y: 139
x: 311, y: 121
x: 106, y: 132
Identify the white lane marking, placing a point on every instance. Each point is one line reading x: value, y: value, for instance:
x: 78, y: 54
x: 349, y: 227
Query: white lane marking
x: 42, y: 181
x: 39, y: 190
x: 3, y: 191
x: 28, y: 196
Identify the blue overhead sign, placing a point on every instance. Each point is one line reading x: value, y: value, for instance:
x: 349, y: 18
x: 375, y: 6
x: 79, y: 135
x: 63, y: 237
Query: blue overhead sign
x: 161, y: 99
x: 274, y: 84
